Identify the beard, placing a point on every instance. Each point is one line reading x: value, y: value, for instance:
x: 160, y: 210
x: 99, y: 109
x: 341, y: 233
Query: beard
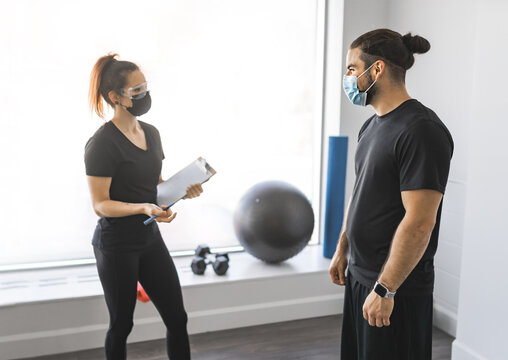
x: 372, y: 91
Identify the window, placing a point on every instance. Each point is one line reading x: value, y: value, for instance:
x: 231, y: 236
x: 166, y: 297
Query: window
x: 231, y: 81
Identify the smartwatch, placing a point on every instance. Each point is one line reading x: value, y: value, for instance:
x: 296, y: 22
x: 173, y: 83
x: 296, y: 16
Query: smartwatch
x: 383, y: 291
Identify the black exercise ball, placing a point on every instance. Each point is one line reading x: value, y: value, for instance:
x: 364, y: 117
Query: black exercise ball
x: 274, y: 221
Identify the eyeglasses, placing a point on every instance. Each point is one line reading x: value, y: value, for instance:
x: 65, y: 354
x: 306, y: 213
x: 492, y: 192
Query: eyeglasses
x: 135, y: 92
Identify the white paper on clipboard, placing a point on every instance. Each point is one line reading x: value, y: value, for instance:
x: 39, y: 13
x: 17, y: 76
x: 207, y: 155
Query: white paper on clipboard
x: 175, y: 188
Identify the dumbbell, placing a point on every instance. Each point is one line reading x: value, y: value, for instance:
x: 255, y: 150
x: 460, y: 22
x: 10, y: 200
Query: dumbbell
x: 200, y: 261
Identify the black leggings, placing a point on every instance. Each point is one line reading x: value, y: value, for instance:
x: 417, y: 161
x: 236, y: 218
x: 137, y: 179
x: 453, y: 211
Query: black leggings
x: 154, y: 269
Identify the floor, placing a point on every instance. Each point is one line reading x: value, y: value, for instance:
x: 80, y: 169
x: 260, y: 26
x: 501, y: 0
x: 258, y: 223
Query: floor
x: 310, y: 339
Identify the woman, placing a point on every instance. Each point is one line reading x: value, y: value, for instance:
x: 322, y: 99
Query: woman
x: 123, y: 164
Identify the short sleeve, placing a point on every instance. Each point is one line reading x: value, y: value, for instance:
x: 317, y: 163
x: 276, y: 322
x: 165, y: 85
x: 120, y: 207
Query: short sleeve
x: 159, y: 142
x: 99, y: 157
x: 162, y: 149
x: 424, y: 152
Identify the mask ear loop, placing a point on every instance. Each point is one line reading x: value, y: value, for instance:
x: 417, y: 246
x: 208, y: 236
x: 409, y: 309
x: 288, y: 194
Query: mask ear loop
x: 359, y: 76
x: 371, y: 85
x: 119, y: 103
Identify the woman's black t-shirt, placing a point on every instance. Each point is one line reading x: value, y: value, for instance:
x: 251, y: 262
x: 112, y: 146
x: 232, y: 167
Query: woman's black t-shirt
x: 135, y: 175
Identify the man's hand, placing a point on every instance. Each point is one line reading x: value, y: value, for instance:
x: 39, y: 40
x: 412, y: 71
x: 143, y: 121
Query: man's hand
x: 377, y: 310
x: 337, y: 269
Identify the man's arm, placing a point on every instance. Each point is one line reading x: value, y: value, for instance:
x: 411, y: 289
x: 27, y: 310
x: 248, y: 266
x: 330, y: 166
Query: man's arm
x: 342, y: 244
x: 412, y: 236
x: 408, y: 246
x: 338, y: 264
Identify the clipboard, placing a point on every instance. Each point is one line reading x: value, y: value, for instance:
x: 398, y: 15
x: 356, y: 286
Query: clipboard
x: 174, y: 189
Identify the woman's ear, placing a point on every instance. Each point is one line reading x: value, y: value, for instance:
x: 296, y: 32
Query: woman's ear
x: 114, y: 97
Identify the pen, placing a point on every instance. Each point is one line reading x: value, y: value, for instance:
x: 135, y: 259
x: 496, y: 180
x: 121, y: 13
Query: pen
x: 148, y: 221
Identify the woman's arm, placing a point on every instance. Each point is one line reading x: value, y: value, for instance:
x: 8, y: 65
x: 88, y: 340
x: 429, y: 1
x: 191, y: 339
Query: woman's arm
x: 105, y: 207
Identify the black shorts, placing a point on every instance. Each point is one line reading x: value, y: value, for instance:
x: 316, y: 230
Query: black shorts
x: 409, y: 336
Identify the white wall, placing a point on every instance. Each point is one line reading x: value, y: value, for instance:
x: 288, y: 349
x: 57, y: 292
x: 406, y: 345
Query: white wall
x: 482, y: 331
x: 360, y: 16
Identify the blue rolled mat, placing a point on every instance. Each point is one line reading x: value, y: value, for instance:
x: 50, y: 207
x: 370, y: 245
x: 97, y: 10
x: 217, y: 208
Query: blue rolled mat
x: 335, y: 192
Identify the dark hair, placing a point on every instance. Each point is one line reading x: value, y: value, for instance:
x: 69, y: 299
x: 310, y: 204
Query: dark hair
x: 107, y: 74
x: 388, y: 45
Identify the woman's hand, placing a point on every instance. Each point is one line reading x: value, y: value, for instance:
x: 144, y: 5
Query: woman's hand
x: 193, y: 191
x: 162, y: 216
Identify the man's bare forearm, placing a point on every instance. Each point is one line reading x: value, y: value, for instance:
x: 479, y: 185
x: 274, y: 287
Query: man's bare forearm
x: 408, y: 246
x: 342, y: 244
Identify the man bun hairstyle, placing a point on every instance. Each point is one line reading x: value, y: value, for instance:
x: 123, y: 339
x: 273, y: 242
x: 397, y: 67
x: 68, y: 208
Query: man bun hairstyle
x: 108, y: 74
x: 393, y: 48
x: 416, y: 44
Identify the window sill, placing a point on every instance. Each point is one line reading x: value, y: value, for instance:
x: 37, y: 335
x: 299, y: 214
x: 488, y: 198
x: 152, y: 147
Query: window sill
x: 39, y: 286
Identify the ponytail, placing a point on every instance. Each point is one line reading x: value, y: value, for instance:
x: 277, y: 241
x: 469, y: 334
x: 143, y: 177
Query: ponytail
x: 107, y: 74
x: 94, y: 94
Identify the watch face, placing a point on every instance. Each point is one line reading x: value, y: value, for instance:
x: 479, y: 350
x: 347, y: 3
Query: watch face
x: 380, y: 290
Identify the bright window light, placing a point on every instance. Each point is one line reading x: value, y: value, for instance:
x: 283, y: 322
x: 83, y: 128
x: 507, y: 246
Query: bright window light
x: 232, y: 81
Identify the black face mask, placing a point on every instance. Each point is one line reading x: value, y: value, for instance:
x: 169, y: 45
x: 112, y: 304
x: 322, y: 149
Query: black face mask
x: 140, y: 106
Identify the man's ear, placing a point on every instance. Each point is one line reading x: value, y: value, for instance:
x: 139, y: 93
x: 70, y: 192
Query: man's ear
x: 379, y: 69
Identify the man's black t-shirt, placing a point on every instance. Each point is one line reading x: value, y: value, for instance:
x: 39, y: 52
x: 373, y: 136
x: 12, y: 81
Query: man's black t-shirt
x: 406, y: 149
x: 135, y: 175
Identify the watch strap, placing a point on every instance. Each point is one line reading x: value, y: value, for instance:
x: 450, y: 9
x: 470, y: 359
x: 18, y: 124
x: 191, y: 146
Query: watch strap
x: 383, y: 291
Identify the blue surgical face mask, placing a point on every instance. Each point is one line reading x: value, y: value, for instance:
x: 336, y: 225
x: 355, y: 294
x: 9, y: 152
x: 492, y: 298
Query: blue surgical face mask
x: 350, y: 85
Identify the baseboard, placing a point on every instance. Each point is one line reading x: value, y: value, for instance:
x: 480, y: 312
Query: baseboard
x: 150, y: 328
x: 463, y: 352
x: 242, y: 316
x: 445, y: 319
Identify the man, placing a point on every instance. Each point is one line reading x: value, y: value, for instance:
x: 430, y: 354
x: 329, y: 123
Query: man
x: 391, y: 227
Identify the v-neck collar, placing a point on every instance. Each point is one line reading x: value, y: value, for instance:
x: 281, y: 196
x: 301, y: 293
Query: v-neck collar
x: 128, y: 140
